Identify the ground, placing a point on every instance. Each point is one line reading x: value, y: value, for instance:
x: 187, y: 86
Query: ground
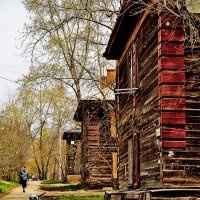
x: 34, y: 188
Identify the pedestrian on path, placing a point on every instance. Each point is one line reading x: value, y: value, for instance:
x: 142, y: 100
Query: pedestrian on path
x: 24, y: 177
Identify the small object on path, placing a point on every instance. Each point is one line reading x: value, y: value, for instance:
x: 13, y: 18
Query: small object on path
x: 35, y: 197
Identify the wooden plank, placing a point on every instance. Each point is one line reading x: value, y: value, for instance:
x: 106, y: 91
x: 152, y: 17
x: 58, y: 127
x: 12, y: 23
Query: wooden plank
x: 171, y: 77
x: 172, y: 104
x: 173, y: 144
x: 112, y: 124
x: 92, y: 128
x: 172, y: 90
x: 114, y: 164
x: 171, y: 49
x: 93, y: 138
x: 169, y: 35
x: 96, y: 132
x: 173, y: 121
x: 172, y: 118
x: 174, y: 180
x: 175, y: 198
x: 173, y: 133
x: 171, y: 63
x: 154, y: 183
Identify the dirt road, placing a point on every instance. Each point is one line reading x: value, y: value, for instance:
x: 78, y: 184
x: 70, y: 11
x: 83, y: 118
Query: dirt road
x: 34, y: 188
x: 17, y: 194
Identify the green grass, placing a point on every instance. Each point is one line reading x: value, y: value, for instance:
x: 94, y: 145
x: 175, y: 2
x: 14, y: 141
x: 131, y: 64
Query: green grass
x: 14, y: 180
x: 53, y: 181
x: 6, y: 186
x: 93, y: 197
x: 63, y: 188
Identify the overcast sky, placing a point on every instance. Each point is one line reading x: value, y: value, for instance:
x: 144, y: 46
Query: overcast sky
x: 12, y: 65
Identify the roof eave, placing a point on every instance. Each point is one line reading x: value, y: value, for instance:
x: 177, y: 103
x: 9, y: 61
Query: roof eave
x: 83, y: 104
x: 124, y: 25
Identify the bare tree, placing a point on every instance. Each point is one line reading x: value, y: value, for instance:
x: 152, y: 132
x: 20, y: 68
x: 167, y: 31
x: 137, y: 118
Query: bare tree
x: 67, y: 39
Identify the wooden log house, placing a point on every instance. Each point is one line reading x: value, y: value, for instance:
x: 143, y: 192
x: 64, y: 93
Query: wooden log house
x: 98, y: 138
x: 158, y: 107
x: 73, y: 155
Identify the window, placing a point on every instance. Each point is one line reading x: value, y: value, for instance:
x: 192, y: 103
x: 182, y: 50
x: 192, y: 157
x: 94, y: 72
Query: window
x: 128, y: 81
x: 133, y: 67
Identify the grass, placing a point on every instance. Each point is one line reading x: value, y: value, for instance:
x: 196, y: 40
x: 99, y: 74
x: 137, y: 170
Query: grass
x: 14, y: 180
x: 6, y: 186
x: 92, y: 197
x: 53, y: 181
x: 63, y: 188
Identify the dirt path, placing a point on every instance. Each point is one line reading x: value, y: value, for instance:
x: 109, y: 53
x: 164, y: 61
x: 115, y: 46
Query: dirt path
x: 33, y: 187
x: 17, y: 194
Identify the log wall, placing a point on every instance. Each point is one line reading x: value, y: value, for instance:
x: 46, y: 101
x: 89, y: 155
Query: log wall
x: 164, y: 112
x: 137, y: 112
x: 97, y: 149
x: 147, y: 101
x: 179, y: 96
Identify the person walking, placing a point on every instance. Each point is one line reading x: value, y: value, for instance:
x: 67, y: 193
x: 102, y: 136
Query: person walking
x: 24, y: 177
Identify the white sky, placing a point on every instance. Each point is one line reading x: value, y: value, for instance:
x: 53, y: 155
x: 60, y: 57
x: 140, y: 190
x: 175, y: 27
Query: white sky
x: 12, y: 65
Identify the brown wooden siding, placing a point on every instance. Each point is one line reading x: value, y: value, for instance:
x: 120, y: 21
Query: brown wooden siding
x: 147, y: 114
x: 84, y: 149
x: 97, y: 147
x: 138, y: 113
x: 180, y: 111
x: 164, y: 112
x: 124, y: 125
x: 172, y: 104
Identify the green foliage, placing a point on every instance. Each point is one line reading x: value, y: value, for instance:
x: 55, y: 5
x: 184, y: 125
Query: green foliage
x: 14, y: 141
x: 93, y: 197
x: 6, y: 186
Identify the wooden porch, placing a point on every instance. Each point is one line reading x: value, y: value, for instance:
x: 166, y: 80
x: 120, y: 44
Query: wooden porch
x: 154, y: 194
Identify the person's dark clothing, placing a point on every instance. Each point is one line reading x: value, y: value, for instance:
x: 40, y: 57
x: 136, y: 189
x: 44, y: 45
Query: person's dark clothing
x: 24, y: 183
x: 24, y: 178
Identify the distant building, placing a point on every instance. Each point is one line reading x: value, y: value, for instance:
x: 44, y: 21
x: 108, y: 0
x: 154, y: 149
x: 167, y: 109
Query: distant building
x: 73, y: 155
x: 98, y: 135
